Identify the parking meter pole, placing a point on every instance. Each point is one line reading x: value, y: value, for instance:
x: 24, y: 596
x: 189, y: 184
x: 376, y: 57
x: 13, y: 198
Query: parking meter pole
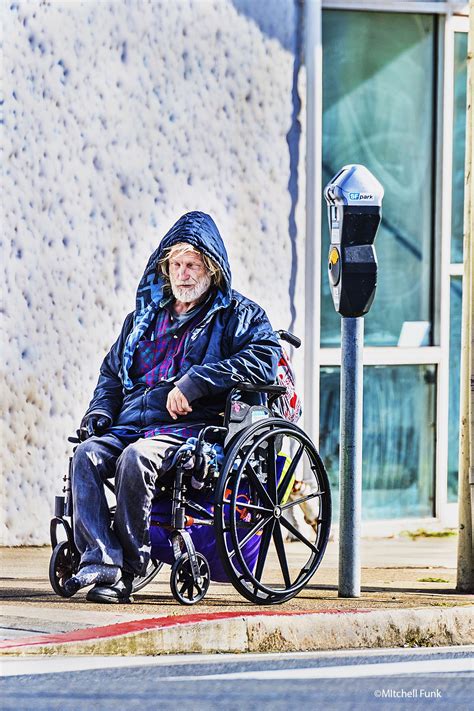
x: 352, y: 346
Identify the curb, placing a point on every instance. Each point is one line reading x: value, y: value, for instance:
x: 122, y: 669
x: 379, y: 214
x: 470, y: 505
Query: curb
x: 261, y: 631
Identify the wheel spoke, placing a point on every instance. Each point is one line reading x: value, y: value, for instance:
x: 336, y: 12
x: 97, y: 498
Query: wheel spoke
x: 260, y: 524
x: 301, y: 501
x: 261, y: 491
x: 262, y: 553
x: 285, y: 482
x: 245, y: 505
x: 298, y: 535
x: 272, y: 475
x: 280, y: 549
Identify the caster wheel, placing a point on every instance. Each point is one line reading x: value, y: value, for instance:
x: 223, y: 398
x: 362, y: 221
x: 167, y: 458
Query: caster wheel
x: 61, y: 568
x: 185, y: 589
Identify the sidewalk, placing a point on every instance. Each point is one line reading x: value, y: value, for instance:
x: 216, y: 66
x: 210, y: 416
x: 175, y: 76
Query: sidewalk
x: 408, y: 599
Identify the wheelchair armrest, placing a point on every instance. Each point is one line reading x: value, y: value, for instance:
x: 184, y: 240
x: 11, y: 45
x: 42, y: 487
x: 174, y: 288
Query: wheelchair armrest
x: 251, y: 388
x: 273, y: 392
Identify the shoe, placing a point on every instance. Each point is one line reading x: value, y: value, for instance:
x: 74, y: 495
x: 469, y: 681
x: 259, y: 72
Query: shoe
x: 71, y: 586
x: 120, y: 593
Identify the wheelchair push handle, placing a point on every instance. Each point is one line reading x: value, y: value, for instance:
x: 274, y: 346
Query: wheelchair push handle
x: 289, y: 338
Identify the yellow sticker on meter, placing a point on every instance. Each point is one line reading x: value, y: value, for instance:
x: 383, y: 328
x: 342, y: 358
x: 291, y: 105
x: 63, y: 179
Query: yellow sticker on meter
x: 334, y: 256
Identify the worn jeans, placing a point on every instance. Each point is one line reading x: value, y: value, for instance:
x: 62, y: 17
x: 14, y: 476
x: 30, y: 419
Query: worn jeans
x: 137, y: 469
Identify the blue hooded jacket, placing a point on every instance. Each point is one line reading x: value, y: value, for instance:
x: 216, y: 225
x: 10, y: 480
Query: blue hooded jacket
x: 233, y: 342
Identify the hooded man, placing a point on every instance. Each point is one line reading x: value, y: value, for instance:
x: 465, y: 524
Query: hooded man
x: 190, y: 339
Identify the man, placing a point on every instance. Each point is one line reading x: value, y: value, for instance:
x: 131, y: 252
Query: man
x: 190, y: 339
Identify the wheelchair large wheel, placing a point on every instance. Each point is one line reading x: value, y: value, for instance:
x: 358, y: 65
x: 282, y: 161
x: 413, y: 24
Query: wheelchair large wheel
x: 61, y: 567
x: 153, y: 568
x: 267, y: 559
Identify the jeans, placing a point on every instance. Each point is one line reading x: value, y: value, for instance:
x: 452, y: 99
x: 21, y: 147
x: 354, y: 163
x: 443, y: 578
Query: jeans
x: 125, y: 542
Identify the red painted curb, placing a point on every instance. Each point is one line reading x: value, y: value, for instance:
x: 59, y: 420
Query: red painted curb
x: 123, y: 628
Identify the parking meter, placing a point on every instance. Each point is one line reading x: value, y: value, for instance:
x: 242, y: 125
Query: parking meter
x: 354, y: 198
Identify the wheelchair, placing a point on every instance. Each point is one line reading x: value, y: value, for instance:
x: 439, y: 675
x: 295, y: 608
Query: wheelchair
x: 224, y: 513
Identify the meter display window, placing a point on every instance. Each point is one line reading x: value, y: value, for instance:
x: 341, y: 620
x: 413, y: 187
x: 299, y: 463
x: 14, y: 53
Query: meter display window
x: 378, y: 103
x: 398, y: 439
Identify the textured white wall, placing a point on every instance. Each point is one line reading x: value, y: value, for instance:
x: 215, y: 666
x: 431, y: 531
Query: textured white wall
x: 119, y: 117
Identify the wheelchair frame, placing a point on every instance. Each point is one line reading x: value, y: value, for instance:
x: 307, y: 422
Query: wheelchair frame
x: 251, y: 443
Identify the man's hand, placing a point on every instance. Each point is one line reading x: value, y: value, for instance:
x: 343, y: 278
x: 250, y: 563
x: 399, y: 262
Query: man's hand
x: 177, y: 404
x: 93, y: 425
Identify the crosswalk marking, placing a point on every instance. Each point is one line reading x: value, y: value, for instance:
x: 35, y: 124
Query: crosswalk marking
x: 340, y: 672
x: 49, y: 665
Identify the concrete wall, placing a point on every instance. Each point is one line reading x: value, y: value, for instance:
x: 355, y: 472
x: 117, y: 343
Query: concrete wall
x: 119, y: 117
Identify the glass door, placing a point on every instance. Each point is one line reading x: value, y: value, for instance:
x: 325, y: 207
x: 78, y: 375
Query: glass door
x: 379, y: 89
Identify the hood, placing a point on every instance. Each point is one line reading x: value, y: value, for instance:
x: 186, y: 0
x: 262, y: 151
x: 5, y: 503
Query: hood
x: 201, y: 232
x: 198, y: 229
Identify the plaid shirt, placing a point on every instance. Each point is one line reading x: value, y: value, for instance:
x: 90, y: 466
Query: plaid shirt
x: 159, y: 356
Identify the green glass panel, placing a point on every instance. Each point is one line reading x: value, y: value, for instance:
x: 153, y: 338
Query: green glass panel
x: 454, y: 386
x: 378, y: 102
x: 459, y: 144
x: 398, y: 439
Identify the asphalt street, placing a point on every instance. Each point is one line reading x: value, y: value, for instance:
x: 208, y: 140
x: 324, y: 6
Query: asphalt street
x: 374, y: 679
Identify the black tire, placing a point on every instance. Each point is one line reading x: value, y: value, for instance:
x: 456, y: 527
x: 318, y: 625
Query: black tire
x: 61, y: 567
x: 185, y: 590
x: 153, y: 568
x: 251, y: 466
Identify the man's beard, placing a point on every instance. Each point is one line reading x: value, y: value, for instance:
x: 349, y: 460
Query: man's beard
x: 191, y: 293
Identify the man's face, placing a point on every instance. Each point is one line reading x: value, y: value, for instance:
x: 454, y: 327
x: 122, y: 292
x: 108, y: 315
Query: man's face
x: 189, y: 278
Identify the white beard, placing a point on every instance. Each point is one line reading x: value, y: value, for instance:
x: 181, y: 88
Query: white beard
x: 193, y: 293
